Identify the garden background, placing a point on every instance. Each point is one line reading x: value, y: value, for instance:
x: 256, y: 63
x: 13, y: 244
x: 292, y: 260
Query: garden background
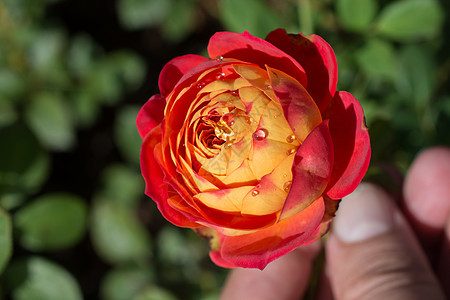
x: 74, y: 220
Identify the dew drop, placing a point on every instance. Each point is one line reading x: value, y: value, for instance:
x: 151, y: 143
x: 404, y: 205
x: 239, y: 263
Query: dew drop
x: 290, y: 151
x: 234, y: 93
x: 284, y: 175
x: 230, y: 123
x: 290, y: 138
x: 260, y: 134
x: 268, y: 87
x: 255, y: 193
x: 201, y: 85
x: 219, y: 58
x: 287, y: 186
x: 220, y: 76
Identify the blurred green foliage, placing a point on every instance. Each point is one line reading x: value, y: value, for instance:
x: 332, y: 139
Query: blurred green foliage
x: 74, y: 220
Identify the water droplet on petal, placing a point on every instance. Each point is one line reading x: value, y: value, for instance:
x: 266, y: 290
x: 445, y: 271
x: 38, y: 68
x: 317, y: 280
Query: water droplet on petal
x: 234, y: 93
x: 219, y: 58
x: 287, y: 186
x: 260, y: 134
x: 255, y: 193
x: 290, y: 151
x: 284, y: 175
x: 201, y: 85
x: 231, y: 123
x: 268, y: 87
x: 220, y: 76
x: 290, y: 138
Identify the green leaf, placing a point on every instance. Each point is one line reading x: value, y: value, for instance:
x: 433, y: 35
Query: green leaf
x: 126, y: 136
x: 36, y: 278
x: 416, y: 76
x: 49, y: 117
x: 377, y: 58
x: 411, y: 19
x: 117, y: 234
x: 251, y: 15
x: 180, y: 21
x: 155, y: 293
x: 5, y: 239
x: 23, y: 164
x: 137, y: 14
x: 51, y: 222
x: 122, y: 185
x: 125, y: 283
x: 356, y: 15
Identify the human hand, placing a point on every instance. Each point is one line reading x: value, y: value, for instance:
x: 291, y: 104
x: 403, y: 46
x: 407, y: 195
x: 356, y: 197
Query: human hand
x: 374, y: 249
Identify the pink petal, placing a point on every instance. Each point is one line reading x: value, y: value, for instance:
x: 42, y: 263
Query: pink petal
x: 351, y: 144
x: 175, y: 69
x: 311, y: 170
x: 155, y: 186
x: 150, y: 115
x: 257, y: 249
x: 316, y: 57
x: 248, y: 48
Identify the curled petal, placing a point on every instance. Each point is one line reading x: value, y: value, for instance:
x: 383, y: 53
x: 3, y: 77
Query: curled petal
x: 257, y: 249
x: 351, y: 144
x: 155, y: 185
x: 150, y: 115
x: 311, y: 170
x: 317, y: 58
x: 245, y: 47
x: 175, y: 69
x: 299, y: 108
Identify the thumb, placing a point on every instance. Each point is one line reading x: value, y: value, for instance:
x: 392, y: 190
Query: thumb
x: 372, y: 253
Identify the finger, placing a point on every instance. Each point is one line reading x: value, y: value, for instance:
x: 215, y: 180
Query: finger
x: 427, y: 196
x: 283, y: 279
x: 372, y: 253
x: 443, y: 266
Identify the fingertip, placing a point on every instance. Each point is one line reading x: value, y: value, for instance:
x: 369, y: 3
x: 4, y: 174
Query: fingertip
x: 427, y: 193
x: 284, y: 278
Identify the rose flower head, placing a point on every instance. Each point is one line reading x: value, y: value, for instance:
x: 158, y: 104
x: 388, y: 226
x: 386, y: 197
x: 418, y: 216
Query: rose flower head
x: 253, y: 147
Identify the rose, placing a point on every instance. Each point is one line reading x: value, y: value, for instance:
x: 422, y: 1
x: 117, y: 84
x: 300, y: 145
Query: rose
x: 254, y: 148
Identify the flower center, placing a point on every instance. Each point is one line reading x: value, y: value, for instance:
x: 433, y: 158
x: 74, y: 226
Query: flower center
x: 224, y: 132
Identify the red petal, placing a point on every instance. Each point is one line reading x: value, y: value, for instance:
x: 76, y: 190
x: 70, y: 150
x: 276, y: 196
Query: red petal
x: 257, y: 249
x: 248, y: 48
x: 311, y: 170
x: 331, y: 207
x: 150, y: 115
x: 351, y: 144
x: 155, y: 186
x: 316, y: 57
x: 175, y: 69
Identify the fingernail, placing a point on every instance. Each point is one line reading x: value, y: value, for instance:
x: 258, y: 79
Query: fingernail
x: 364, y: 214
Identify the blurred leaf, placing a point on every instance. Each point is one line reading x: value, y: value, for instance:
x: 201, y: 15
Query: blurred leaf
x: 251, y: 15
x: 81, y: 55
x: 49, y: 117
x: 416, y: 77
x: 5, y: 239
x: 23, y: 164
x: 36, y: 278
x: 180, y: 21
x: 377, y: 58
x: 122, y: 184
x: 8, y: 114
x: 356, y: 15
x: 85, y: 108
x: 126, y: 136
x: 125, y: 283
x: 46, y: 50
x: 51, y: 222
x: 155, y: 293
x: 12, y: 84
x: 113, y: 75
x: 137, y: 14
x: 117, y: 234
x: 411, y: 19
